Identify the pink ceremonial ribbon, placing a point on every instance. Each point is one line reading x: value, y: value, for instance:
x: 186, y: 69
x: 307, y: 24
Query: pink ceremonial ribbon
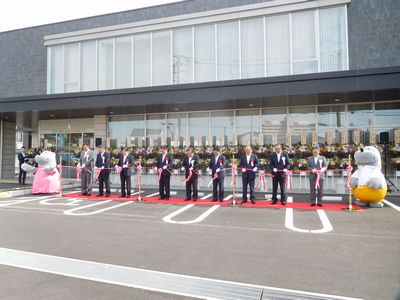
x: 234, y: 173
x: 289, y: 180
x: 317, y: 179
x: 214, y: 177
x: 139, y: 175
x: 189, y: 177
x: 98, y: 171
x: 261, y: 175
x: 78, y: 171
x: 348, y: 179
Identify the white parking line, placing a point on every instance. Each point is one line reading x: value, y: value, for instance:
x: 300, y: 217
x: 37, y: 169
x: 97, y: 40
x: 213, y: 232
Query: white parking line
x: 151, y: 195
x: 200, y: 218
x: 14, y: 202
x: 206, y: 196
x: 394, y: 206
x: 332, y: 198
x: 71, y: 212
x: 130, y: 277
x: 69, y: 202
x: 228, y: 197
x: 326, y: 224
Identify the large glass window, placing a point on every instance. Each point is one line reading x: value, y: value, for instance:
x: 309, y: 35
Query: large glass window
x: 123, y: 62
x: 106, y: 64
x: 331, y: 120
x: 142, y: 60
x: 162, y: 58
x: 88, y: 66
x: 228, y: 51
x: 199, y: 128
x: 304, y: 43
x: 302, y: 117
x: 204, y: 53
x: 277, y: 45
x: 387, y: 114
x: 274, y: 124
x: 56, y: 67
x: 248, y: 126
x: 183, y: 55
x: 252, y: 39
x: 222, y: 125
x: 155, y: 130
x: 127, y: 130
x: 333, y: 53
x: 71, y: 68
x: 359, y: 115
x: 177, y: 125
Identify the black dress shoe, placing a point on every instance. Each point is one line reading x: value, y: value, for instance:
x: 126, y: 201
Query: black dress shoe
x: 213, y: 200
x: 88, y: 194
x: 99, y: 195
x: 320, y: 205
x: 221, y: 200
x: 274, y: 202
x: 107, y: 195
x: 312, y: 204
x: 167, y: 199
x: 161, y: 198
x: 84, y: 194
x: 283, y: 202
x: 187, y: 199
x: 243, y: 202
x: 194, y: 199
x: 128, y: 196
x: 123, y: 196
x: 253, y: 202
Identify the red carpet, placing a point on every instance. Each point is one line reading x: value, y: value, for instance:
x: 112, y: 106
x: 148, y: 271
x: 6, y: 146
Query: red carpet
x: 181, y: 201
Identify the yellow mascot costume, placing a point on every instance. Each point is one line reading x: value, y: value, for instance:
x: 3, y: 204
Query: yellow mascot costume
x: 367, y: 182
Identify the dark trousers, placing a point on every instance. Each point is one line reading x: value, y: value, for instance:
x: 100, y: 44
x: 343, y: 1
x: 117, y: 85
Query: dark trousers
x: 281, y: 181
x: 164, y: 185
x: 248, y: 181
x: 86, y: 182
x: 21, y: 176
x: 316, y: 196
x: 104, y: 179
x: 192, y: 184
x: 125, y: 183
x: 218, y: 189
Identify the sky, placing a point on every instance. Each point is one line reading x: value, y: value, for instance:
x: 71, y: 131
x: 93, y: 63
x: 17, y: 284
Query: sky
x: 26, y: 13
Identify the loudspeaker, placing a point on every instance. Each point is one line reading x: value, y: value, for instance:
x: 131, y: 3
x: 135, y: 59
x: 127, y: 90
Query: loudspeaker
x: 98, y: 142
x: 384, y: 138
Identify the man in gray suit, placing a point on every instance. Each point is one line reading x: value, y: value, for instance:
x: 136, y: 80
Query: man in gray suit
x: 86, y: 160
x: 317, y: 164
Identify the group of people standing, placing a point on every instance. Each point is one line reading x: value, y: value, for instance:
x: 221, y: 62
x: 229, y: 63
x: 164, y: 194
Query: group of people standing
x: 249, y: 164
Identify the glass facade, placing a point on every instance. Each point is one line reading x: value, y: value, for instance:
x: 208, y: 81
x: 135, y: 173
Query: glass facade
x: 257, y: 126
x: 301, y: 42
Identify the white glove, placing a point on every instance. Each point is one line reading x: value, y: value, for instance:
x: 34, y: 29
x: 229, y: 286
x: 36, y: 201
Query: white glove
x: 208, y: 170
x: 83, y: 165
x: 244, y: 170
x: 102, y: 167
x: 218, y: 170
x: 323, y: 169
x: 254, y: 169
x: 165, y: 167
x: 155, y: 169
x: 275, y: 170
x: 125, y: 166
x: 191, y: 168
x: 284, y: 170
x: 314, y: 170
x: 183, y: 169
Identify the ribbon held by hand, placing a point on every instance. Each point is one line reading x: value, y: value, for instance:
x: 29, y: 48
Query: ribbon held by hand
x: 349, y: 169
x: 261, y: 175
x: 214, y: 177
x: 289, y: 180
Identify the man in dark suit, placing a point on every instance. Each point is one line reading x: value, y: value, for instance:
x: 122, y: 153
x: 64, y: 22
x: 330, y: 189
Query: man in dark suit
x: 126, y: 163
x: 22, y: 158
x: 279, y: 163
x: 217, y: 166
x: 86, y: 160
x: 103, y: 162
x: 190, y: 165
x: 164, y: 167
x: 249, y: 163
x: 316, y: 163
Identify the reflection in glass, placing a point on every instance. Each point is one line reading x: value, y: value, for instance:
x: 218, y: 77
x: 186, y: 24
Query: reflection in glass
x: 248, y: 126
x: 204, y: 53
x: 228, y: 50
x: 182, y: 55
x: 222, y: 125
x: 359, y: 115
x: 162, y: 58
x: 142, y: 60
x: 71, y: 68
x: 106, y: 64
x: 177, y: 124
x: 88, y: 66
x: 123, y: 62
x: 252, y: 48
x: 199, y: 128
x: 126, y: 130
x: 56, y: 78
